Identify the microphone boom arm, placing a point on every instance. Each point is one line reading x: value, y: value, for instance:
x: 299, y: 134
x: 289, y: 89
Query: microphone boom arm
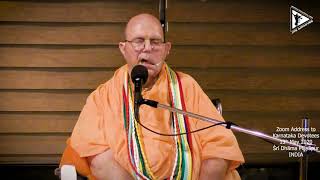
x: 228, y: 125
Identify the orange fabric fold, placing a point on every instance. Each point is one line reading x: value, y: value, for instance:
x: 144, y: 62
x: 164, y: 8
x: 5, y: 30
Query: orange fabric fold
x: 71, y: 157
x: 100, y: 127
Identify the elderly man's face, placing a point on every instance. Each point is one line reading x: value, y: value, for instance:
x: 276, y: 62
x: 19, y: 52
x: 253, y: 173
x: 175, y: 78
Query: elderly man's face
x: 144, y: 44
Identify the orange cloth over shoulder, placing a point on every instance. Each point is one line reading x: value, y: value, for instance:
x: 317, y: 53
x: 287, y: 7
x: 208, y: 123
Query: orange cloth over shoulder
x: 100, y: 127
x: 71, y: 157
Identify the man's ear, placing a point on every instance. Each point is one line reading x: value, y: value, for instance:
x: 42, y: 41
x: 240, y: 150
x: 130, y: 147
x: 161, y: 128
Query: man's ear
x: 122, y: 47
x: 168, y: 48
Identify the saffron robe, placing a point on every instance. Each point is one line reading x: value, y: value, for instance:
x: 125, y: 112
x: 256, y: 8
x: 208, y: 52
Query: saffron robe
x: 100, y: 127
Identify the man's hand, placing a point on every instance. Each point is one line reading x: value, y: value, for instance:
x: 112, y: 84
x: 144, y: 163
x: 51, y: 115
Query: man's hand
x: 214, y: 169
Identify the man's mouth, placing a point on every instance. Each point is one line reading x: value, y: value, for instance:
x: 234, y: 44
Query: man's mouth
x: 149, y: 65
x: 144, y: 61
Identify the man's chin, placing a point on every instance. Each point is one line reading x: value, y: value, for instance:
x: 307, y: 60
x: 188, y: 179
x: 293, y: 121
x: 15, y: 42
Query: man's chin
x: 151, y: 72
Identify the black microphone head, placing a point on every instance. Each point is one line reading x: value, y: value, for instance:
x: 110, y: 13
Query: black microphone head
x: 139, y: 72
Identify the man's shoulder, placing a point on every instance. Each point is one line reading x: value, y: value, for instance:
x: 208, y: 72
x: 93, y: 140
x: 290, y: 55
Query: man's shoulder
x: 112, y: 84
x: 117, y: 77
x: 189, y: 85
x: 186, y: 79
x: 119, y: 73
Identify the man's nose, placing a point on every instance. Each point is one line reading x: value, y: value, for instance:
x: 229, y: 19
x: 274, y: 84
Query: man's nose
x: 147, y: 45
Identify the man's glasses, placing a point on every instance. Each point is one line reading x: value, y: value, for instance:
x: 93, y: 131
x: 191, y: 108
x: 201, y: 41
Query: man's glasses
x: 139, y: 43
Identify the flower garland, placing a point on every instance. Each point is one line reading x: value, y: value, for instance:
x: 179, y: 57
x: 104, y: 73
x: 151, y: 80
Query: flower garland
x: 182, y: 168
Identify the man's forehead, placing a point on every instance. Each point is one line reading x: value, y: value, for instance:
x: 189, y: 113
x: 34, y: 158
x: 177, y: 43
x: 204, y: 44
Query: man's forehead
x: 143, y: 24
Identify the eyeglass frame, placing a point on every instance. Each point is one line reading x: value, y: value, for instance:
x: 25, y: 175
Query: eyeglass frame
x: 143, y: 43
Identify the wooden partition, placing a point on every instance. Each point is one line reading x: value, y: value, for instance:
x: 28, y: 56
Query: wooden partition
x: 54, y: 53
x: 243, y: 53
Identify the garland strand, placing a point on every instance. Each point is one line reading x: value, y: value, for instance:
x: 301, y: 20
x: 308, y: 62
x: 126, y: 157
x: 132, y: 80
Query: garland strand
x: 182, y: 168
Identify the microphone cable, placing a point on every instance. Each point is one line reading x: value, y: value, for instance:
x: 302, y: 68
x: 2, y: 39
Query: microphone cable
x: 228, y: 123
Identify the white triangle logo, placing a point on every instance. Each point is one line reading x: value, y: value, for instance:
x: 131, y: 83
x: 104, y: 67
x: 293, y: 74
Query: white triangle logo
x: 298, y: 19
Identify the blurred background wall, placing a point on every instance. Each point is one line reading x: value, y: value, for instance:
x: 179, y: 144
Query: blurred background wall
x: 53, y: 53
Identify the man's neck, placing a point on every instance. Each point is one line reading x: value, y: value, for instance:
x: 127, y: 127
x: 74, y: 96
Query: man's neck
x: 150, y: 82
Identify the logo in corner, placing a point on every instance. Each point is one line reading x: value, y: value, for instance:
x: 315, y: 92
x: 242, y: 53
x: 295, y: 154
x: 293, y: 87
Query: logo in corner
x: 298, y: 19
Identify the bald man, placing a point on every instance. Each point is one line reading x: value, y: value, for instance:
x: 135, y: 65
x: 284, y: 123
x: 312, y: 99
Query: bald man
x: 116, y: 147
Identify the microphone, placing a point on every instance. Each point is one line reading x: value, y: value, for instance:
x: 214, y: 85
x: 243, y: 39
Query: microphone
x: 139, y: 76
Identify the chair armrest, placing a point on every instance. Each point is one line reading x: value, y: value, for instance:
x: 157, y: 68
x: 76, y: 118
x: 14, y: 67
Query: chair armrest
x: 217, y: 103
x: 68, y: 172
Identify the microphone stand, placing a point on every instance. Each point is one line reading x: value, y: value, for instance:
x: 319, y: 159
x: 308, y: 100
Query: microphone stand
x: 229, y: 125
x: 304, y: 160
